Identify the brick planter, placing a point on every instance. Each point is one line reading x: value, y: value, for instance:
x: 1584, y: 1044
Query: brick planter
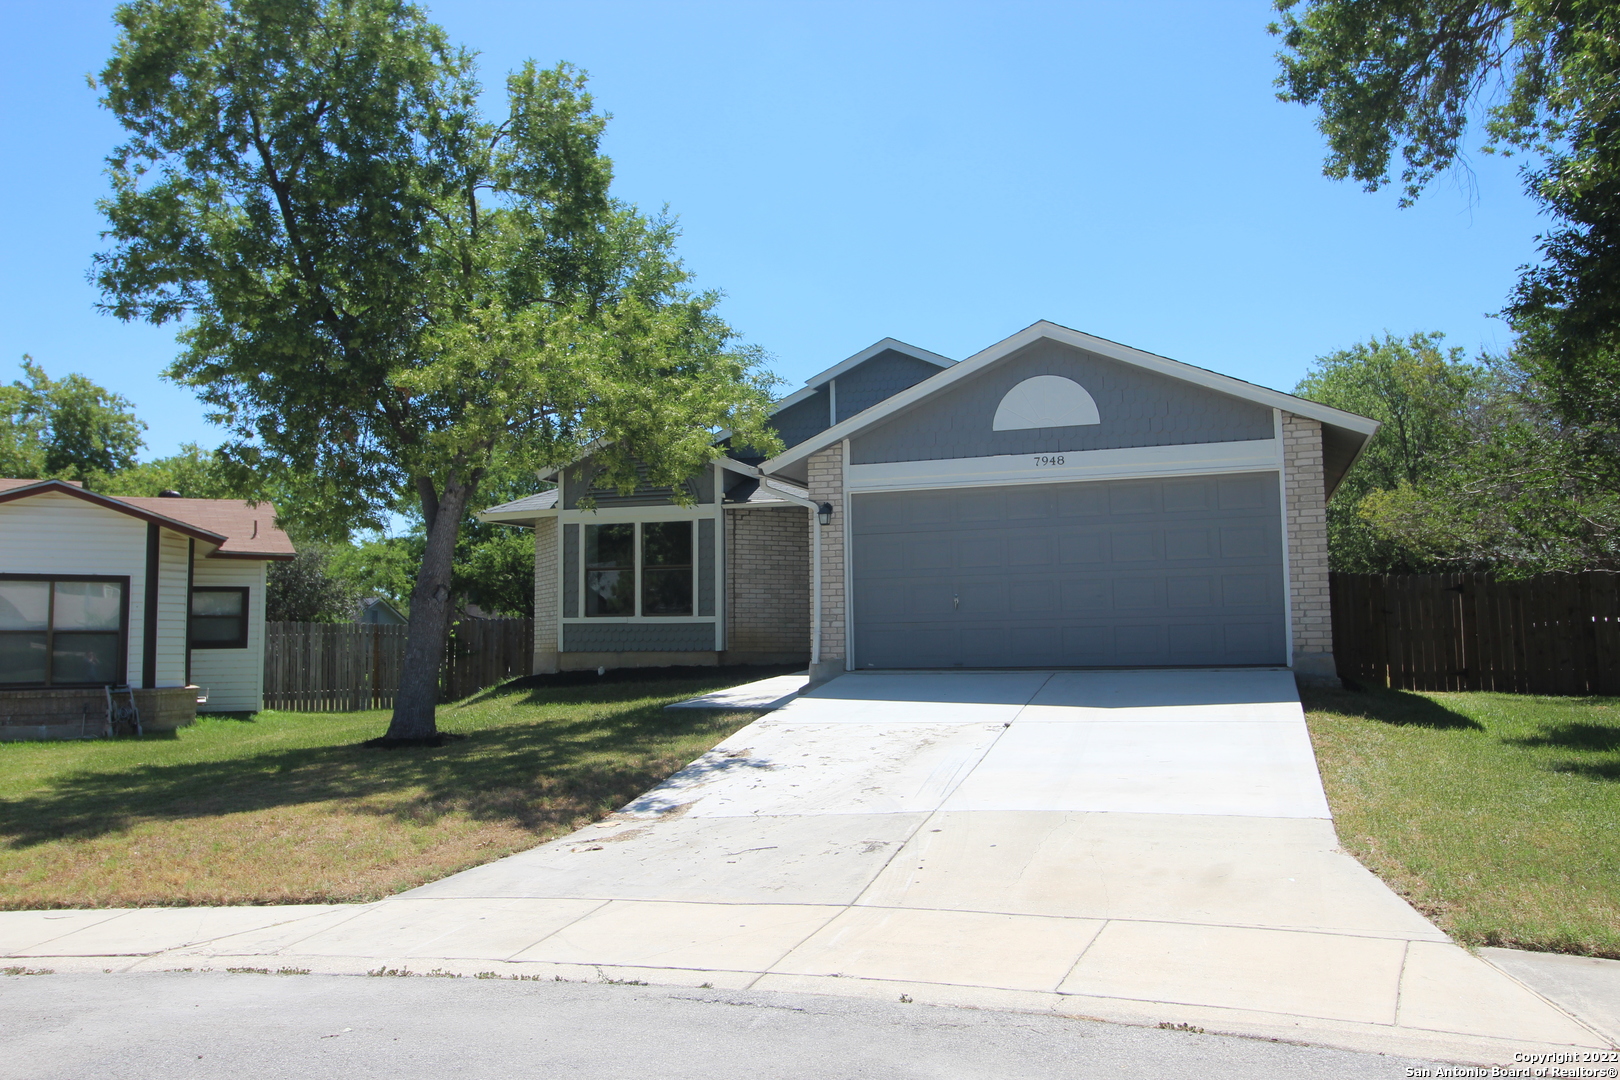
x: 82, y: 713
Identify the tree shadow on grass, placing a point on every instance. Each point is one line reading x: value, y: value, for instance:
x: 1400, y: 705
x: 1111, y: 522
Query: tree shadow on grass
x: 1575, y: 736
x: 535, y: 774
x: 1400, y: 708
x: 1592, y: 770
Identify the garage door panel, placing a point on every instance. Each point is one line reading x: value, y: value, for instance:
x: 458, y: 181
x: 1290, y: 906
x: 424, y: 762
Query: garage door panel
x: 981, y: 551
x: 1184, y: 592
x: 1082, y: 547
x: 1103, y: 574
x: 1189, y: 497
x: 1249, y: 492
x: 1031, y: 598
x: 1134, y: 594
x: 1130, y: 497
x: 1246, y: 541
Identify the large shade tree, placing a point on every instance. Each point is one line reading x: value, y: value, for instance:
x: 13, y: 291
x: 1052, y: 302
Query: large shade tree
x: 1400, y: 83
x: 380, y: 289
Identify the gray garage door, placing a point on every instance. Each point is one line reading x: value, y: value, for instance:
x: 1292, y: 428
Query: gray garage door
x: 1121, y: 573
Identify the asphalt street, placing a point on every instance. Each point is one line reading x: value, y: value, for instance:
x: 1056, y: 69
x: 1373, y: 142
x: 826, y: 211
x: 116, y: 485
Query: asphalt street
x: 180, y: 1025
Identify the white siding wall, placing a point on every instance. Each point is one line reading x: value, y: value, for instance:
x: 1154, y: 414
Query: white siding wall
x: 59, y: 534
x: 171, y: 649
x: 234, y: 678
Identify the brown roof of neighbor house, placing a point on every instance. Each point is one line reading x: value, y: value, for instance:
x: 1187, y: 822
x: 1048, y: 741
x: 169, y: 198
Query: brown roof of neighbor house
x: 241, y: 530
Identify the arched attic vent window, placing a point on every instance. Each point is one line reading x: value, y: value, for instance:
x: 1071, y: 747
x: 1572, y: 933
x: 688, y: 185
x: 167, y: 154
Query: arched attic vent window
x: 1045, y: 401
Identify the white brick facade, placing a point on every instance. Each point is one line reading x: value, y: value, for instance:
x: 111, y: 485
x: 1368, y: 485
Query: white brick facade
x: 767, y: 583
x: 826, y: 476
x: 1310, y: 605
x: 545, y: 596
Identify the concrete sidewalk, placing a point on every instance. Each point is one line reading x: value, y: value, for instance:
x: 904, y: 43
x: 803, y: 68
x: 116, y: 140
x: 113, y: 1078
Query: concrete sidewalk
x: 1145, y: 847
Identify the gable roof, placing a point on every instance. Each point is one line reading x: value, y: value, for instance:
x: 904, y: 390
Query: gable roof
x: 1344, y: 422
x: 238, y: 529
x: 822, y: 378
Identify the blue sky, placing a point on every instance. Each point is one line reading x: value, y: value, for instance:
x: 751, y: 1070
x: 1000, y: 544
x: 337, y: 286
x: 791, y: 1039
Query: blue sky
x: 944, y: 173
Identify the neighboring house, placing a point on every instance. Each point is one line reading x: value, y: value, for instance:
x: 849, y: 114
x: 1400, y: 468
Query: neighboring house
x: 1057, y: 500
x: 378, y: 611
x: 163, y: 594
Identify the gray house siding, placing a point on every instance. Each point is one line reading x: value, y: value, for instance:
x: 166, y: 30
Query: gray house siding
x: 881, y: 377
x: 639, y: 637
x: 797, y: 423
x: 579, y: 482
x: 1136, y: 407
x: 570, y: 558
x: 705, y: 566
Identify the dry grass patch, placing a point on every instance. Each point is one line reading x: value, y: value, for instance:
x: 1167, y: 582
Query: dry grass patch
x: 286, y: 808
x: 1497, y: 815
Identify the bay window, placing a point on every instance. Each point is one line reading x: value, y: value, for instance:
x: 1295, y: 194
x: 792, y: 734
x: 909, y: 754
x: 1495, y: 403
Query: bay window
x: 639, y: 569
x: 62, y: 631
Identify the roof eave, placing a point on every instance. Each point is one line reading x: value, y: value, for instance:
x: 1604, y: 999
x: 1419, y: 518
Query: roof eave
x: 118, y: 505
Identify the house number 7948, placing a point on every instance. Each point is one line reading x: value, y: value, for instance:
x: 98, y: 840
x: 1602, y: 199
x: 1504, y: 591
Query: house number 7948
x: 1048, y: 459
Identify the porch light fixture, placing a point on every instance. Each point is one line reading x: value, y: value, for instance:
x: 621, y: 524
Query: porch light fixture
x: 824, y: 513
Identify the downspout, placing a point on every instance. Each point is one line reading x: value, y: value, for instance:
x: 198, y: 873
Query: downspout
x: 815, y: 588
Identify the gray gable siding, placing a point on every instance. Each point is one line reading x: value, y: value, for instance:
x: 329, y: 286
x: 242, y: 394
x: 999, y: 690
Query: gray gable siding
x: 808, y: 418
x: 705, y: 566
x: 639, y: 637
x: 879, y: 378
x: 579, y: 481
x: 570, y: 556
x: 1136, y: 407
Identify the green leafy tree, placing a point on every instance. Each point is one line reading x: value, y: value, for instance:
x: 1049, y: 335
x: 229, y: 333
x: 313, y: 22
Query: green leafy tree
x: 194, y: 472
x: 1424, y: 395
x: 304, y: 589
x: 1522, y: 496
x: 1406, y: 76
x: 69, y: 428
x: 380, y: 289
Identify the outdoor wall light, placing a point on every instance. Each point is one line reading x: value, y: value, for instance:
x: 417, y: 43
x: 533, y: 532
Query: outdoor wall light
x: 824, y: 513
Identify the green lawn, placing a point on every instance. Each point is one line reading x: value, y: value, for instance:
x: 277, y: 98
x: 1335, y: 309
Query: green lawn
x: 1497, y: 815
x: 287, y: 808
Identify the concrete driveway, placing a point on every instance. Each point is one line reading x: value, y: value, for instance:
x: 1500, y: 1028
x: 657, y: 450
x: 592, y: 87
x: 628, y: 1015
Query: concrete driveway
x: 1149, y: 847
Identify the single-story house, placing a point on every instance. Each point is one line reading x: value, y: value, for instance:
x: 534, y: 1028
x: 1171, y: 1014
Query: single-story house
x: 1056, y: 500
x: 165, y: 595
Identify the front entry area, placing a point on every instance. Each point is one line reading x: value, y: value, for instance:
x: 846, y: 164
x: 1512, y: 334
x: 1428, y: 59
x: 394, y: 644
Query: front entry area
x: 1161, y: 572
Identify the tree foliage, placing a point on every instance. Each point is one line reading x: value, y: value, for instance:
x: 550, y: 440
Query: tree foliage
x: 68, y: 428
x: 304, y: 589
x: 380, y: 289
x: 1543, y: 78
x: 1425, y: 396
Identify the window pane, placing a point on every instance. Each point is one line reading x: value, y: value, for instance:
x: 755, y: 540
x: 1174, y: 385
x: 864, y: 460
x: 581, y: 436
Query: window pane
x: 84, y: 658
x: 87, y: 605
x: 217, y: 603
x: 610, y: 592
x: 610, y: 547
x: 22, y: 657
x: 24, y: 605
x: 666, y: 543
x: 207, y: 628
x: 668, y: 591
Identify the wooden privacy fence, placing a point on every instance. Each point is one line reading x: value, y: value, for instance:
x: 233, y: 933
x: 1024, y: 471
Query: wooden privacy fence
x: 341, y: 667
x: 1551, y: 634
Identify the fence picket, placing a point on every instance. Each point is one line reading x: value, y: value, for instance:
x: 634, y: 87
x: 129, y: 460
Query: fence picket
x: 1552, y: 634
x: 345, y: 667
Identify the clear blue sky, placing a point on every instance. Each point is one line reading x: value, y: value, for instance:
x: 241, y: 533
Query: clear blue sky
x: 944, y: 173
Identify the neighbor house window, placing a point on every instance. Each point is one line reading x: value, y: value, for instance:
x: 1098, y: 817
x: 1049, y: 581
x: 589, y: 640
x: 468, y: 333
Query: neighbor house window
x: 62, y: 631
x: 656, y: 555
x: 219, y: 617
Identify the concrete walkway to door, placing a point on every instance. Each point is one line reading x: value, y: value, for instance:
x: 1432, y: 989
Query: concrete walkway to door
x: 1149, y: 847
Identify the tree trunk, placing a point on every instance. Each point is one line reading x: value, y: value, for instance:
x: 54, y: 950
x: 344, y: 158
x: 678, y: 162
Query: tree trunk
x: 430, y: 620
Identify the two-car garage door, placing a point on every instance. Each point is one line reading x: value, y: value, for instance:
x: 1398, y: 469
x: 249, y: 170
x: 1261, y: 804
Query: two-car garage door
x: 1122, y: 573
